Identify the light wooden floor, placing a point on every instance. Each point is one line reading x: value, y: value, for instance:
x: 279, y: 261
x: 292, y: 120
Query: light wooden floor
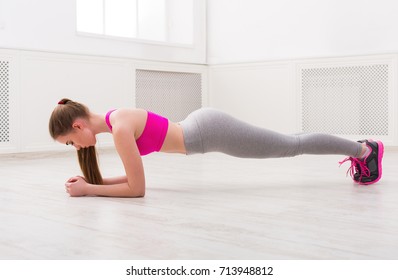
x: 200, y: 207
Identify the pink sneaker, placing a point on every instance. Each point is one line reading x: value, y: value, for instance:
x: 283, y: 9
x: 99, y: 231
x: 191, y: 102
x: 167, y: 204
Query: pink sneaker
x: 368, y: 170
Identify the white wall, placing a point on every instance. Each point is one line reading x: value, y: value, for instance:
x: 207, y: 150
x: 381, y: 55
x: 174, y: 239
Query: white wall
x: 261, y: 94
x: 260, y: 30
x: 270, y: 94
x: 49, y: 25
x: 256, y: 48
x: 264, y: 93
x: 38, y: 80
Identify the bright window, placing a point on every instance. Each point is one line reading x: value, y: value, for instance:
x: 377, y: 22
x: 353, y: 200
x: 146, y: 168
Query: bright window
x: 119, y: 18
x: 169, y: 21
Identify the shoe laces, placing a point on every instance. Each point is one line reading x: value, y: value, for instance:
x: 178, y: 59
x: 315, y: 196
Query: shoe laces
x: 357, y: 166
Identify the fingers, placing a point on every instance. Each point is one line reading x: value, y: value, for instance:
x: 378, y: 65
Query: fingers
x: 73, y: 179
x: 73, y: 184
x: 69, y: 184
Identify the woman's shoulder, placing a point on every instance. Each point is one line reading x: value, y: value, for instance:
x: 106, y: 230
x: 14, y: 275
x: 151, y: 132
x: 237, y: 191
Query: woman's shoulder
x: 135, y: 117
x: 129, y: 111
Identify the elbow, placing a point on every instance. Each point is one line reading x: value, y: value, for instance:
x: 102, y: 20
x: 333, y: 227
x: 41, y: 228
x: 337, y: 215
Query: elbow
x: 141, y: 194
x: 137, y: 191
x: 136, y: 195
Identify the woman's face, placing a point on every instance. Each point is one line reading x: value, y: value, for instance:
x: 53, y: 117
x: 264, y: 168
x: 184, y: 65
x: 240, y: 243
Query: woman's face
x: 80, y: 137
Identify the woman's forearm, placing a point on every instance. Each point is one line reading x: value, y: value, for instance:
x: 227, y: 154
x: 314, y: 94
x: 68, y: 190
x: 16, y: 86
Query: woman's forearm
x: 115, y: 190
x: 115, y: 180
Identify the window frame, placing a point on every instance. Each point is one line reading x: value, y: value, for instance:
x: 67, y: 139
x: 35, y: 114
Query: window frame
x: 137, y: 39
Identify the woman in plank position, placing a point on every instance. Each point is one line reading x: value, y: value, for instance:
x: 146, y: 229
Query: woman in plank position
x: 137, y: 132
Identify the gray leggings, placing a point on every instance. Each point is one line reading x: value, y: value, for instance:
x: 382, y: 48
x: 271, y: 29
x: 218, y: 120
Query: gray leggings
x: 209, y: 130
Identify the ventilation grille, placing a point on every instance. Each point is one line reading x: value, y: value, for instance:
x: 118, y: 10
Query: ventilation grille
x: 171, y: 94
x: 346, y: 100
x: 4, y: 102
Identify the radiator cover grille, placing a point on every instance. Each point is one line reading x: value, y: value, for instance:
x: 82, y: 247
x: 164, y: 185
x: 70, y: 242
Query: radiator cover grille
x: 4, y: 102
x: 350, y: 100
x: 171, y: 94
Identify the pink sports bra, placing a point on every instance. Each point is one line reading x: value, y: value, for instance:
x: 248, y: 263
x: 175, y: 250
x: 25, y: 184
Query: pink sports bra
x: 152, y: 138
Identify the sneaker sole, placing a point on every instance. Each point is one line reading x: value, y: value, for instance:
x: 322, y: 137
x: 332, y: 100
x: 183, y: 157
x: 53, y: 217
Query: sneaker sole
x: 379, y: 163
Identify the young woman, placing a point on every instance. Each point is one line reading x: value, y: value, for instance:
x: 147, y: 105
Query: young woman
x: 137, y: 132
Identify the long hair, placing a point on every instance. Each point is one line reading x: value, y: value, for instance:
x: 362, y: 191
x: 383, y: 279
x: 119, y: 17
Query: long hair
x: 89, y: 165
x: 60, y: 124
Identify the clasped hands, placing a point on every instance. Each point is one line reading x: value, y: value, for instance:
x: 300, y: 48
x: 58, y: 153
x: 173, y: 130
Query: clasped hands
x: 76, y: 186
